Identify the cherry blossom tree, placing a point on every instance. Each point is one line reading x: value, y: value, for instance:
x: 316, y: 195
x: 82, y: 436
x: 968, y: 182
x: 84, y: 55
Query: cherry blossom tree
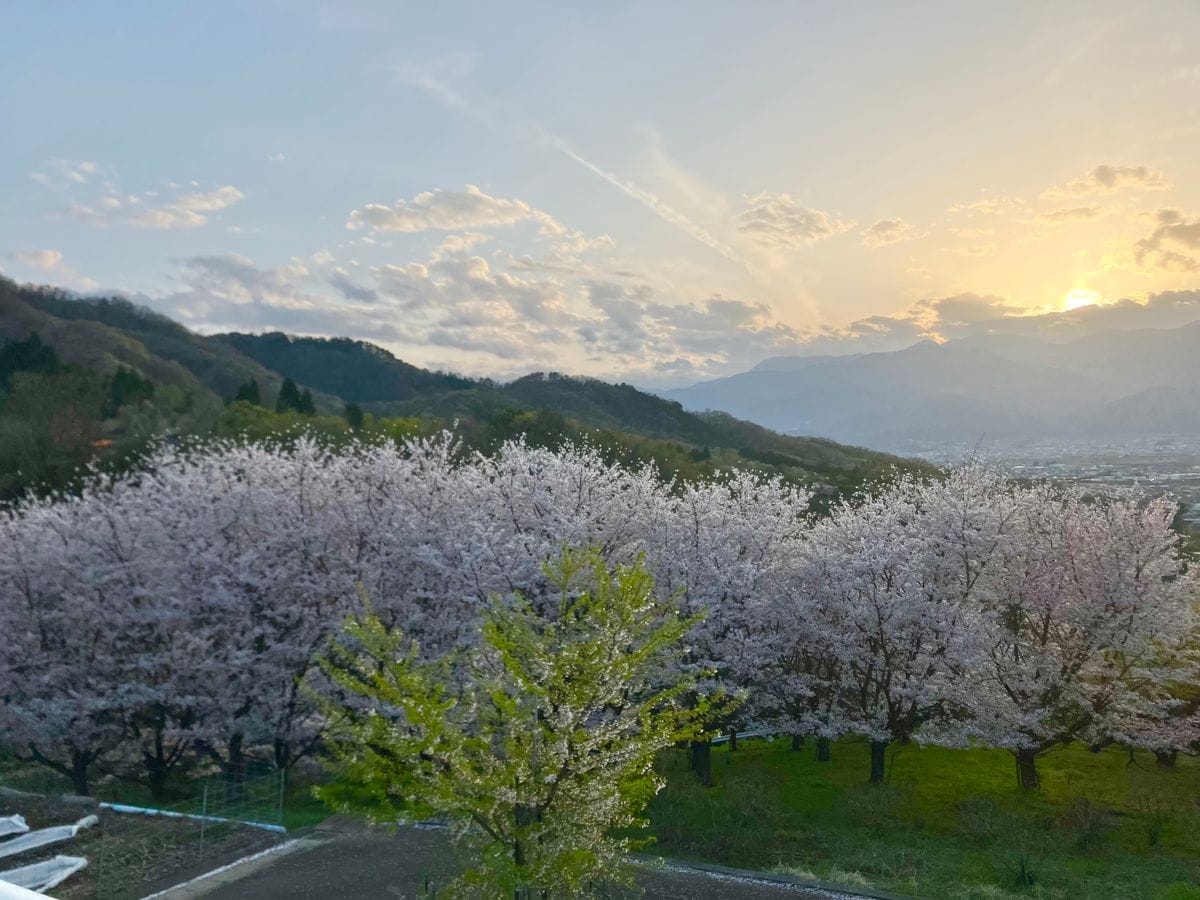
x: 720, y: 548
x: 1086, y: 630
x: 875, y: 625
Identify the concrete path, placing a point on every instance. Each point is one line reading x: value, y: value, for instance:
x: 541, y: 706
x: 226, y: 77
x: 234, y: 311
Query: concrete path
x: 341, y: 862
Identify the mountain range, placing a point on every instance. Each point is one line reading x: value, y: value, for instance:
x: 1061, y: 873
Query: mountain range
x: 1110, y: 386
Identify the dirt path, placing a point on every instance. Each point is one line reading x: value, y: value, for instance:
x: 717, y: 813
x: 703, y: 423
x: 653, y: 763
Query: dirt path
x: 347, y: 862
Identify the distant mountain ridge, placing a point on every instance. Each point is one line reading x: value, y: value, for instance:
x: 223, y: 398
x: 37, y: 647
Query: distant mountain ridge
x: 356, y: 371
x: 983, y: 387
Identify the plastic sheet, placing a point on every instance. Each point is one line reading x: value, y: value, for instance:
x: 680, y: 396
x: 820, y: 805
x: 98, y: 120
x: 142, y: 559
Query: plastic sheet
x: 41, y: 876
x: 43, y: 836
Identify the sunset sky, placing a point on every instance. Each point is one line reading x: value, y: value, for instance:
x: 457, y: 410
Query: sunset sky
x: 650, y: 191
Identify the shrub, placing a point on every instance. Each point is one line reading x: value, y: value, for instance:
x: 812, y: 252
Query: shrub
x: 1086, y: 822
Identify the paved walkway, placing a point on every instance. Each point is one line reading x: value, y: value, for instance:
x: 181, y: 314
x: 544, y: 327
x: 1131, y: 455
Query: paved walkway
x: 340, y: 863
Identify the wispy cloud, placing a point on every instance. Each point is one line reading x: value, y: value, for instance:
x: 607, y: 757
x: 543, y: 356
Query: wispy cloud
x: 890, y: 231
x: 533, y: 132
x: 63, y: 173
x: 189, y: 209
x: 1108, y: 179
x: 51, y: 262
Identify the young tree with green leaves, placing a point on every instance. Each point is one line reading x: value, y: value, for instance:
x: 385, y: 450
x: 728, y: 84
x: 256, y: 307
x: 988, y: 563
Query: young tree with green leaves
x: 538, y: 745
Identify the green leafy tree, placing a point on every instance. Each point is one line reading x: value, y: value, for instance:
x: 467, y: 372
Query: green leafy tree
x: 354, y: 417
x: 306, y: 407
x: 539, y: 745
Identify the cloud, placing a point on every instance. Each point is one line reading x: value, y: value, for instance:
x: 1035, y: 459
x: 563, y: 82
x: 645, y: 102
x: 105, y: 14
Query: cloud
x: 454, y: 210
x: 63, y: 173
x: 449, y: 211
x: 963, y: 315
x: 1173, y: 243
x: 51, y: 261
x: 1070, y: 214
x: 184, y: 210
x: 777, y: 221
x: 498, y: 319
x: 1107, y: 179
x: 43, y: 260
x: 889, y: 231
x: 348, y: 288
x: 663, y: 343
x: 276, y: 157
x: 227, y: 291
x: 211, y: 201
x: 978, y: 250
x: 990, y: 206
x: 456, y: 244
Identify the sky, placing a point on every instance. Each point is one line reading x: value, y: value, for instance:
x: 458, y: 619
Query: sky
x: 653, y: 192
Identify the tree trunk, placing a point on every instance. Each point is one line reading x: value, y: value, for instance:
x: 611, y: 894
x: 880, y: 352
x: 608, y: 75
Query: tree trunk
x: 80, y: 764
x: 156, y: 780
x: 283, y: 753
x: 702, y: 762
x: 822, y: 749
x: 732, y: 740
x: 1166, y: 758
x: 878, y: 761
x: 1027, y: 776
x: 797, y: 741
x: 235, y: 771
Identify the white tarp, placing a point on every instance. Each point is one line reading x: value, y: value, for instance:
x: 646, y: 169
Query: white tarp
x: 44, y: 836
x: 41, y: 876
x: 12, y: 825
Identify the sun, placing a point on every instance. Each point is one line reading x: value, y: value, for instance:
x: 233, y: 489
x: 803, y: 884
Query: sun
x: 1080, y: 297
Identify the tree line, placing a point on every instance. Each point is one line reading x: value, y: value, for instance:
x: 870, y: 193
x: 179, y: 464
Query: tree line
x: 173, y: 615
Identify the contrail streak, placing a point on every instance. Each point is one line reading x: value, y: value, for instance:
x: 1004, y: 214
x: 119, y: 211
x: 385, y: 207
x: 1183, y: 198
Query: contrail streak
x: 648, y: 200
x: 451, y: 98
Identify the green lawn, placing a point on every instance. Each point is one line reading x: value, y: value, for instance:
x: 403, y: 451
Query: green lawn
x: 950, y: 823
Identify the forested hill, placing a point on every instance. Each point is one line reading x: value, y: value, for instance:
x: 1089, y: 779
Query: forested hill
x: 263, y: 383
x: 356, y: 371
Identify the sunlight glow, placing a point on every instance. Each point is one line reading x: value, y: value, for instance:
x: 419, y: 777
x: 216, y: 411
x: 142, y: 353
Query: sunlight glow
x: 1080, y: 297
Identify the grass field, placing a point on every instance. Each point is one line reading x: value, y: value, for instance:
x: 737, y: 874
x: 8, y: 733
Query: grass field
x: 950, y: 823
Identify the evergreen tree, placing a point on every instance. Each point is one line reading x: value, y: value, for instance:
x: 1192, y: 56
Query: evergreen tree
x: 30, y: 355
x: 305, y: 406
x: 126, y: 387
x: 354, y: 416
x: 289, y: 397
x: 248, y: 392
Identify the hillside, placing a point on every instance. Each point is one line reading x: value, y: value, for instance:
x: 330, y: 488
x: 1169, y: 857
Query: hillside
x: 103, y: 334
x: 87, y: 342
x: 99, y: 332
x: 623, y: 408
x: 355, y: 371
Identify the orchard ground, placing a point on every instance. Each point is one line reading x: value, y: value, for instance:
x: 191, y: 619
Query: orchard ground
x: 948, y: 824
